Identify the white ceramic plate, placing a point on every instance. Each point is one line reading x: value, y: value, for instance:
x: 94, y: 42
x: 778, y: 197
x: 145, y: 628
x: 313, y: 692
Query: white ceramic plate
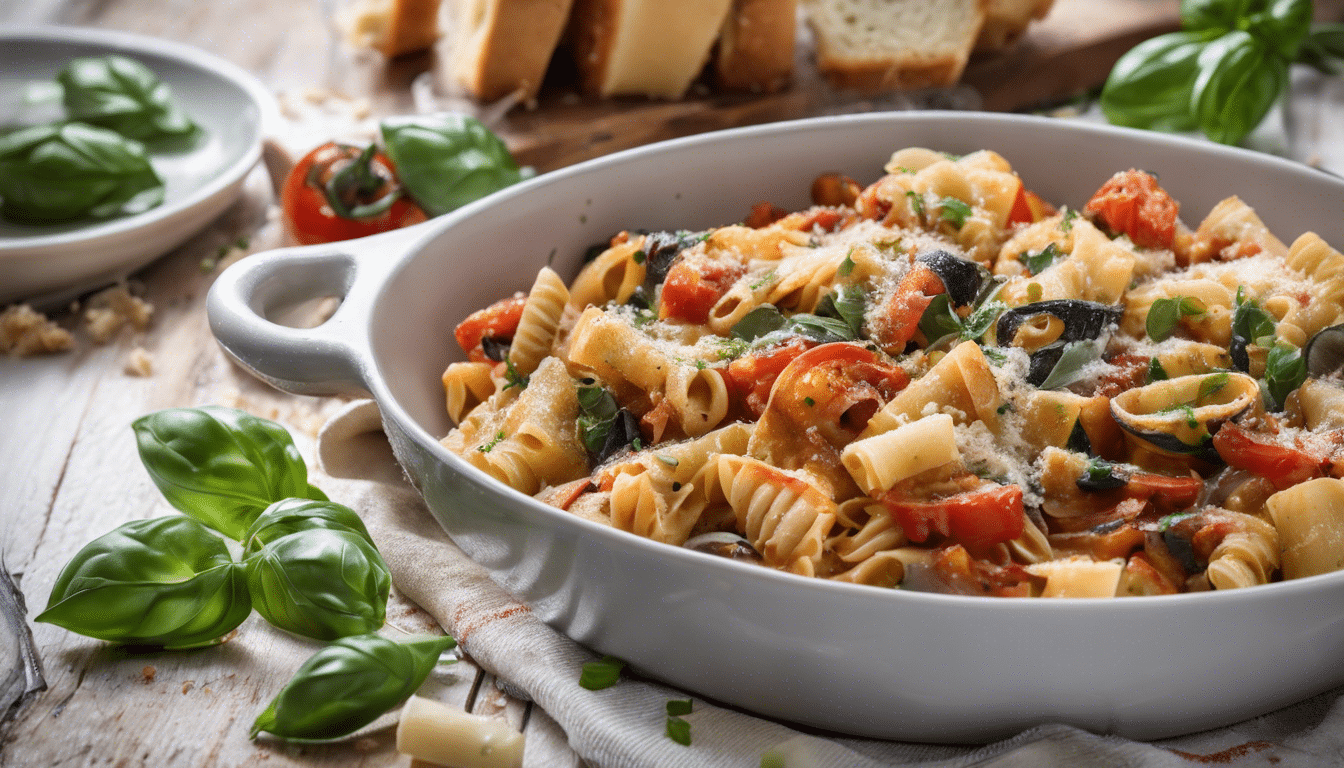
x: 844, y: 657
x: 45, y: 264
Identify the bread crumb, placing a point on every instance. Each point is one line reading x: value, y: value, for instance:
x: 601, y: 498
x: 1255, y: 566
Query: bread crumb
x: 110, y: 310
x: 139, y: 363
x: 148, y: 673
x: 24, y: 331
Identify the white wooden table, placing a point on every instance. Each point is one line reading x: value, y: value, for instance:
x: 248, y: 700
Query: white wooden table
x: 69, y: 470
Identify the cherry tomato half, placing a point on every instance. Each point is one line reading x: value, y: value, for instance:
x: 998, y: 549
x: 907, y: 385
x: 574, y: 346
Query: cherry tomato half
x: 340, y: 192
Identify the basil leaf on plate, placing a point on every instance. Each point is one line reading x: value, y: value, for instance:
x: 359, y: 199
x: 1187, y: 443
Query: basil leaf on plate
x: 168, y: 582
x: 220, y: 465
x: 321, y: 583
x: 53, y: 173
x: 348, y: 684
x: 123, y: 95
x: 447, y: 160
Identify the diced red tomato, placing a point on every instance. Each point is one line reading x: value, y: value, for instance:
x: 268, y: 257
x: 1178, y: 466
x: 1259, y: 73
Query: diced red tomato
x: 1028, y: 207
x: 497, y: 321
x: 694, y: 286
x: 988, y: 515
x: 1132, y: 203
x: 896, y: 324
x: 963, y: 574
x: 1165, y: 492
x: 1281, y: 465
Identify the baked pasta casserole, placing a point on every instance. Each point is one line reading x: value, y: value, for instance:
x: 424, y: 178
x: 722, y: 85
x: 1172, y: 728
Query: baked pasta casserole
x: 939, y: 382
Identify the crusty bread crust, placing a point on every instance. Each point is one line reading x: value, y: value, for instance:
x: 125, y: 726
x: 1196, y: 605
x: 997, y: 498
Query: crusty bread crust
x: 756, y: 45
x: 502, y: 47
x: 412, y: 26
x: 1007, y: 20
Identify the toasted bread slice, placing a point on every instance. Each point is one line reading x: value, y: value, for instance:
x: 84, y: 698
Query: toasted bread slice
x: 881, y: 45
x: 643, y: 47
x: 502, y: 47
x: 756, y: 45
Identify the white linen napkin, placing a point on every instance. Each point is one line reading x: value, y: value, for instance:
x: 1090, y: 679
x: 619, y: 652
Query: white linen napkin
x: 624, y: 726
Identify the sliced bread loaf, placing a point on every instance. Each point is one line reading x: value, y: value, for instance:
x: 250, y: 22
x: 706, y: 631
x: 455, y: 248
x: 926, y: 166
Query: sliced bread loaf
x: 502, y: 47
x: 394, y: 27
x: 643, y: 47
x: 878, y: 45
x: 756, y: 45
x: 1006, y: 20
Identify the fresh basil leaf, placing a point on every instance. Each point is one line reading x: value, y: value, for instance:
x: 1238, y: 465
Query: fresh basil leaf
x: 679, y: 707
x: 1151, y: 85
x: 1249, y: 323
x: 1213, y: 383
x: 758, y: 322
x: 1239, y: 80
x: 447, y: 160
x: 1165, y: 314
x: 824, y: 330
x: 220, y: 465
x: 916, y: 203
x: 1323, y: 48
x: 678, y: 730
x: 348, y: 684
x: 847, y: 303
x: 979, y: 321
x: 1212, y: 15
x: 601, y: 674
x: 54, y: 173
x: 1069, y: 368
x: 1155, y: 371
x: 123, y: 95
x: 1038, y: 262
x: 292, y: 515
x: 1101, y: 475
x: 939, y: 319
x: 954, y: 211
x: 1282, y: 25
x: 321, y: 583
x: 1285, y: 370
x: 597, y: 414
x: 167, y: 582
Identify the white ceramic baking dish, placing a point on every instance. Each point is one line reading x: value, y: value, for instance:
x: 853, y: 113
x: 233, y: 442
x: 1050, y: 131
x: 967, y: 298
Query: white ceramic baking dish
x: 848, y: 658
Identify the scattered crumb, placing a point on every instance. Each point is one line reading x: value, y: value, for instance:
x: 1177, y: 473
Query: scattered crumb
x: 139, y: 363
x: 148, y: 673
x: 187, y: 686
x: 24, y: 331
x: 110, y: 310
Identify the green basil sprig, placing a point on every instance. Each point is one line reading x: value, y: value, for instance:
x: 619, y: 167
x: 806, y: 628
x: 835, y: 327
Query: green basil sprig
x: 447, y: 160
x: 167, y: 582
x: 53, y: 173
x: 123, y: 95
x: 220, y: 465
x: 293, y: 515
x: 348, y: 684
x: 321, y: 583
x: 1223, y: 71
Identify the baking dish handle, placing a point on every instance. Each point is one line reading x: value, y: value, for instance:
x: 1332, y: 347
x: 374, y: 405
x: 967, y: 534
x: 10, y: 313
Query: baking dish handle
x: 248, y: 301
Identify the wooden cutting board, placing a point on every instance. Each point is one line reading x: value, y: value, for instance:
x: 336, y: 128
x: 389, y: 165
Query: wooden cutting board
x: 1067, y: 53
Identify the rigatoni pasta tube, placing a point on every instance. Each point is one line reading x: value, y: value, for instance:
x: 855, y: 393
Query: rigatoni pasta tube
x: 438, y: 733
x: 1310, y: 520
x: 1078, y: 577
x: 879, y: 462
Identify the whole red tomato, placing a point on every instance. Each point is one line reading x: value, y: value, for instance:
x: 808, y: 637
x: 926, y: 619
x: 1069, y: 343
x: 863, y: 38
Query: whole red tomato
x: 340, y: 192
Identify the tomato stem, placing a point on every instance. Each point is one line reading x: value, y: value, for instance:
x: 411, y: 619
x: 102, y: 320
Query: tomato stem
x: 357, y: 181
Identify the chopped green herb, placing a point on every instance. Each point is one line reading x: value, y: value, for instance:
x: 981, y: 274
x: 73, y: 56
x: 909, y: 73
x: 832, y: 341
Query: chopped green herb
x: 916, y: 203
x: 1156, y: 372
x: 670, y: 461
x: 846, y: 266
x: 847, y: 303
x: 637, y: 444
x: 732, y: 348
x: 678, y: 730
x: 954, y: 211
x: 809, y: 401
x: 512, y: 377
x: 979, y: 321
x: 1066, y: 224
x: 638, y: 257
x: 758, y: 322
x: 1165, y: 314
x: 597, y: 414
x: 995, y: 356
x: 1185, y: 410
x: 644, y: 318
x: 1005, y: 408
x: 602, y: 673
x: 1170, y: 520
x: 939, y: 320
x: 1038, y: 262
x: 1212, y: 384
x: 679, y: 707
x: 765, y: 280
x: 1285, y: 370
x: 491, y: 445
x: 1076, y: 356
